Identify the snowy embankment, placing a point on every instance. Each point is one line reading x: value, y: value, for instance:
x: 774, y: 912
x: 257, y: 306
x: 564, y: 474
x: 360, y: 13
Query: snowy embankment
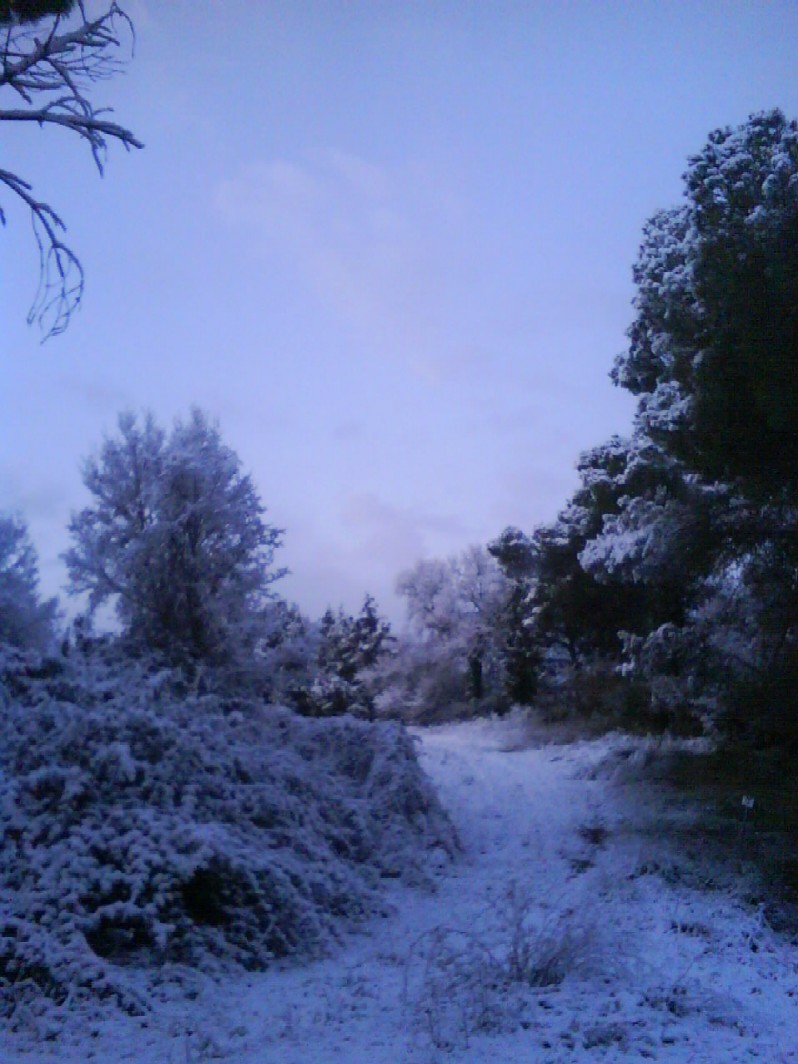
x: 570, y: 930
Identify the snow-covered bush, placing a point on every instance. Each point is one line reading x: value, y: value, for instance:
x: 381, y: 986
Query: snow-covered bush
x: 144, y: 826
x: 422, y: 684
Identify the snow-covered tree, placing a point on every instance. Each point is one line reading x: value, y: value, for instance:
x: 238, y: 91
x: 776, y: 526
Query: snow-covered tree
x: 176, y: 538
x: 284, y: 660
x: 713, y: 347
x: 26, y: 621
x: 577, y: 609
x: 516, y: 637
x: 349, y: 651
x: 618, y: 561
x: 453, y: 606
x: 713, y: 358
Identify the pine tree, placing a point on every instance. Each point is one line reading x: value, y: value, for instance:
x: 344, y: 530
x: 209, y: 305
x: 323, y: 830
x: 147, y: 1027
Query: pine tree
x: 26, y: 621
x: 350, y: 649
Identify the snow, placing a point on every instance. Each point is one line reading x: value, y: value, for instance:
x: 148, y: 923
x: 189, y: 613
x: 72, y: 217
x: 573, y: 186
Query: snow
x: 573, y: 928
x: 154, y: 830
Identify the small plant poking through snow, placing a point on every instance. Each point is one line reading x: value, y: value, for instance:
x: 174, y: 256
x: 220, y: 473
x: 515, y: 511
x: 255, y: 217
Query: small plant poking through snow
x: 460, y: 983
x: 143, y: 826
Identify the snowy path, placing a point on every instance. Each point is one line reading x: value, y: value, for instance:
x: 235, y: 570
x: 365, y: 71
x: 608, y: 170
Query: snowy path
x: 562, y: 875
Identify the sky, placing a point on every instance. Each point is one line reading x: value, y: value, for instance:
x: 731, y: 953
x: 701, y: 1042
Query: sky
x: 387, y: 244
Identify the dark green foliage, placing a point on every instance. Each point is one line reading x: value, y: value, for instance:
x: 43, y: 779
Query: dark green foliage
x: 515, y: 553
x: 714, y: 347
x: 521, y: 654
x: 714, y: 359
x: 22, y: 11
x: 677, y: 558
x: 350, y: 649
x: 762, y: 707
x: 744, y: 188
x: 517, y: 644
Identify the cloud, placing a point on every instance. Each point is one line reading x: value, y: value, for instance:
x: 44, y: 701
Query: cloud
x: 363, y: 546
x: 348, y: 431
x: 38, y: 501
x: 398, y: 262
x: 370, y: 245
x: 371, y: 181
x: 386, y: 532
x: 97, y: 394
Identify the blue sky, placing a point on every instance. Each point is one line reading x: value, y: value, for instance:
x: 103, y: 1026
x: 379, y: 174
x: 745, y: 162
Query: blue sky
x: 388, y: 245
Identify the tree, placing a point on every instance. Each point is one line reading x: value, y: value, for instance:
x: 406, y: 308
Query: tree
x: 453, y: 605
x: 350, y: 648
x: 176, y: 538
x: 619, y: 561
x: 714, y: 346
x: 50, y: 69
x: 21, y: 11
x: 577, y: 606
x: 26, y: 622
x: 713, y: 358
x: 519, y: 647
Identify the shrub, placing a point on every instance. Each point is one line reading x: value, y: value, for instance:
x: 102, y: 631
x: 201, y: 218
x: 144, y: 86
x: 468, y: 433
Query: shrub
x: 144, y: 826
x: 600, y: 697
x: 462, y: 982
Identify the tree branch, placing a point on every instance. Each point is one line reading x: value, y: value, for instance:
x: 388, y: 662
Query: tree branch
x: 88, y: 126
x: 85, y: 47
x: 59, y: 67
x: 61, y: 278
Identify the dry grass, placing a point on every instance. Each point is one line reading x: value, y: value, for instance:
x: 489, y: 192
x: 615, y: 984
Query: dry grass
x: 459, y: 983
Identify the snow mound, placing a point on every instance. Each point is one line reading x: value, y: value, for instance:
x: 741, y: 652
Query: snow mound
x: 145, y: 827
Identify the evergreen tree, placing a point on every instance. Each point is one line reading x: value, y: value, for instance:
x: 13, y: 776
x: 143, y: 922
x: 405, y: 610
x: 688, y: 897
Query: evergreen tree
x: 519, y: 646
x: 713, y: 357
x: 714, y: 346
x: 26, y: 622
x: 350, y: 649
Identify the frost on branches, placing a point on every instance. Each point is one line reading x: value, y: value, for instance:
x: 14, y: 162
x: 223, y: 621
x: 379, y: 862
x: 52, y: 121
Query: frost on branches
x: 451, y: 653
x: 176, y: 539
x: 52, y: 55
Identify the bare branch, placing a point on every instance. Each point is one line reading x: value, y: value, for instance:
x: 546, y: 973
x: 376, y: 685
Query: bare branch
x: 89, y: 127
x: 60, y: 272
x: 53, y: 73
x: 85, y: 48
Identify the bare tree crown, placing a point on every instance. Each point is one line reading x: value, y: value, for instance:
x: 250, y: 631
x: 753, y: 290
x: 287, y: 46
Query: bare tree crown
x: 50, y: 67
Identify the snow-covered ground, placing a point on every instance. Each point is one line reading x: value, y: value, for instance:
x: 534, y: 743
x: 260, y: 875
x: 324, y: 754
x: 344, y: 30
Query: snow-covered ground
x: 570, y: 930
